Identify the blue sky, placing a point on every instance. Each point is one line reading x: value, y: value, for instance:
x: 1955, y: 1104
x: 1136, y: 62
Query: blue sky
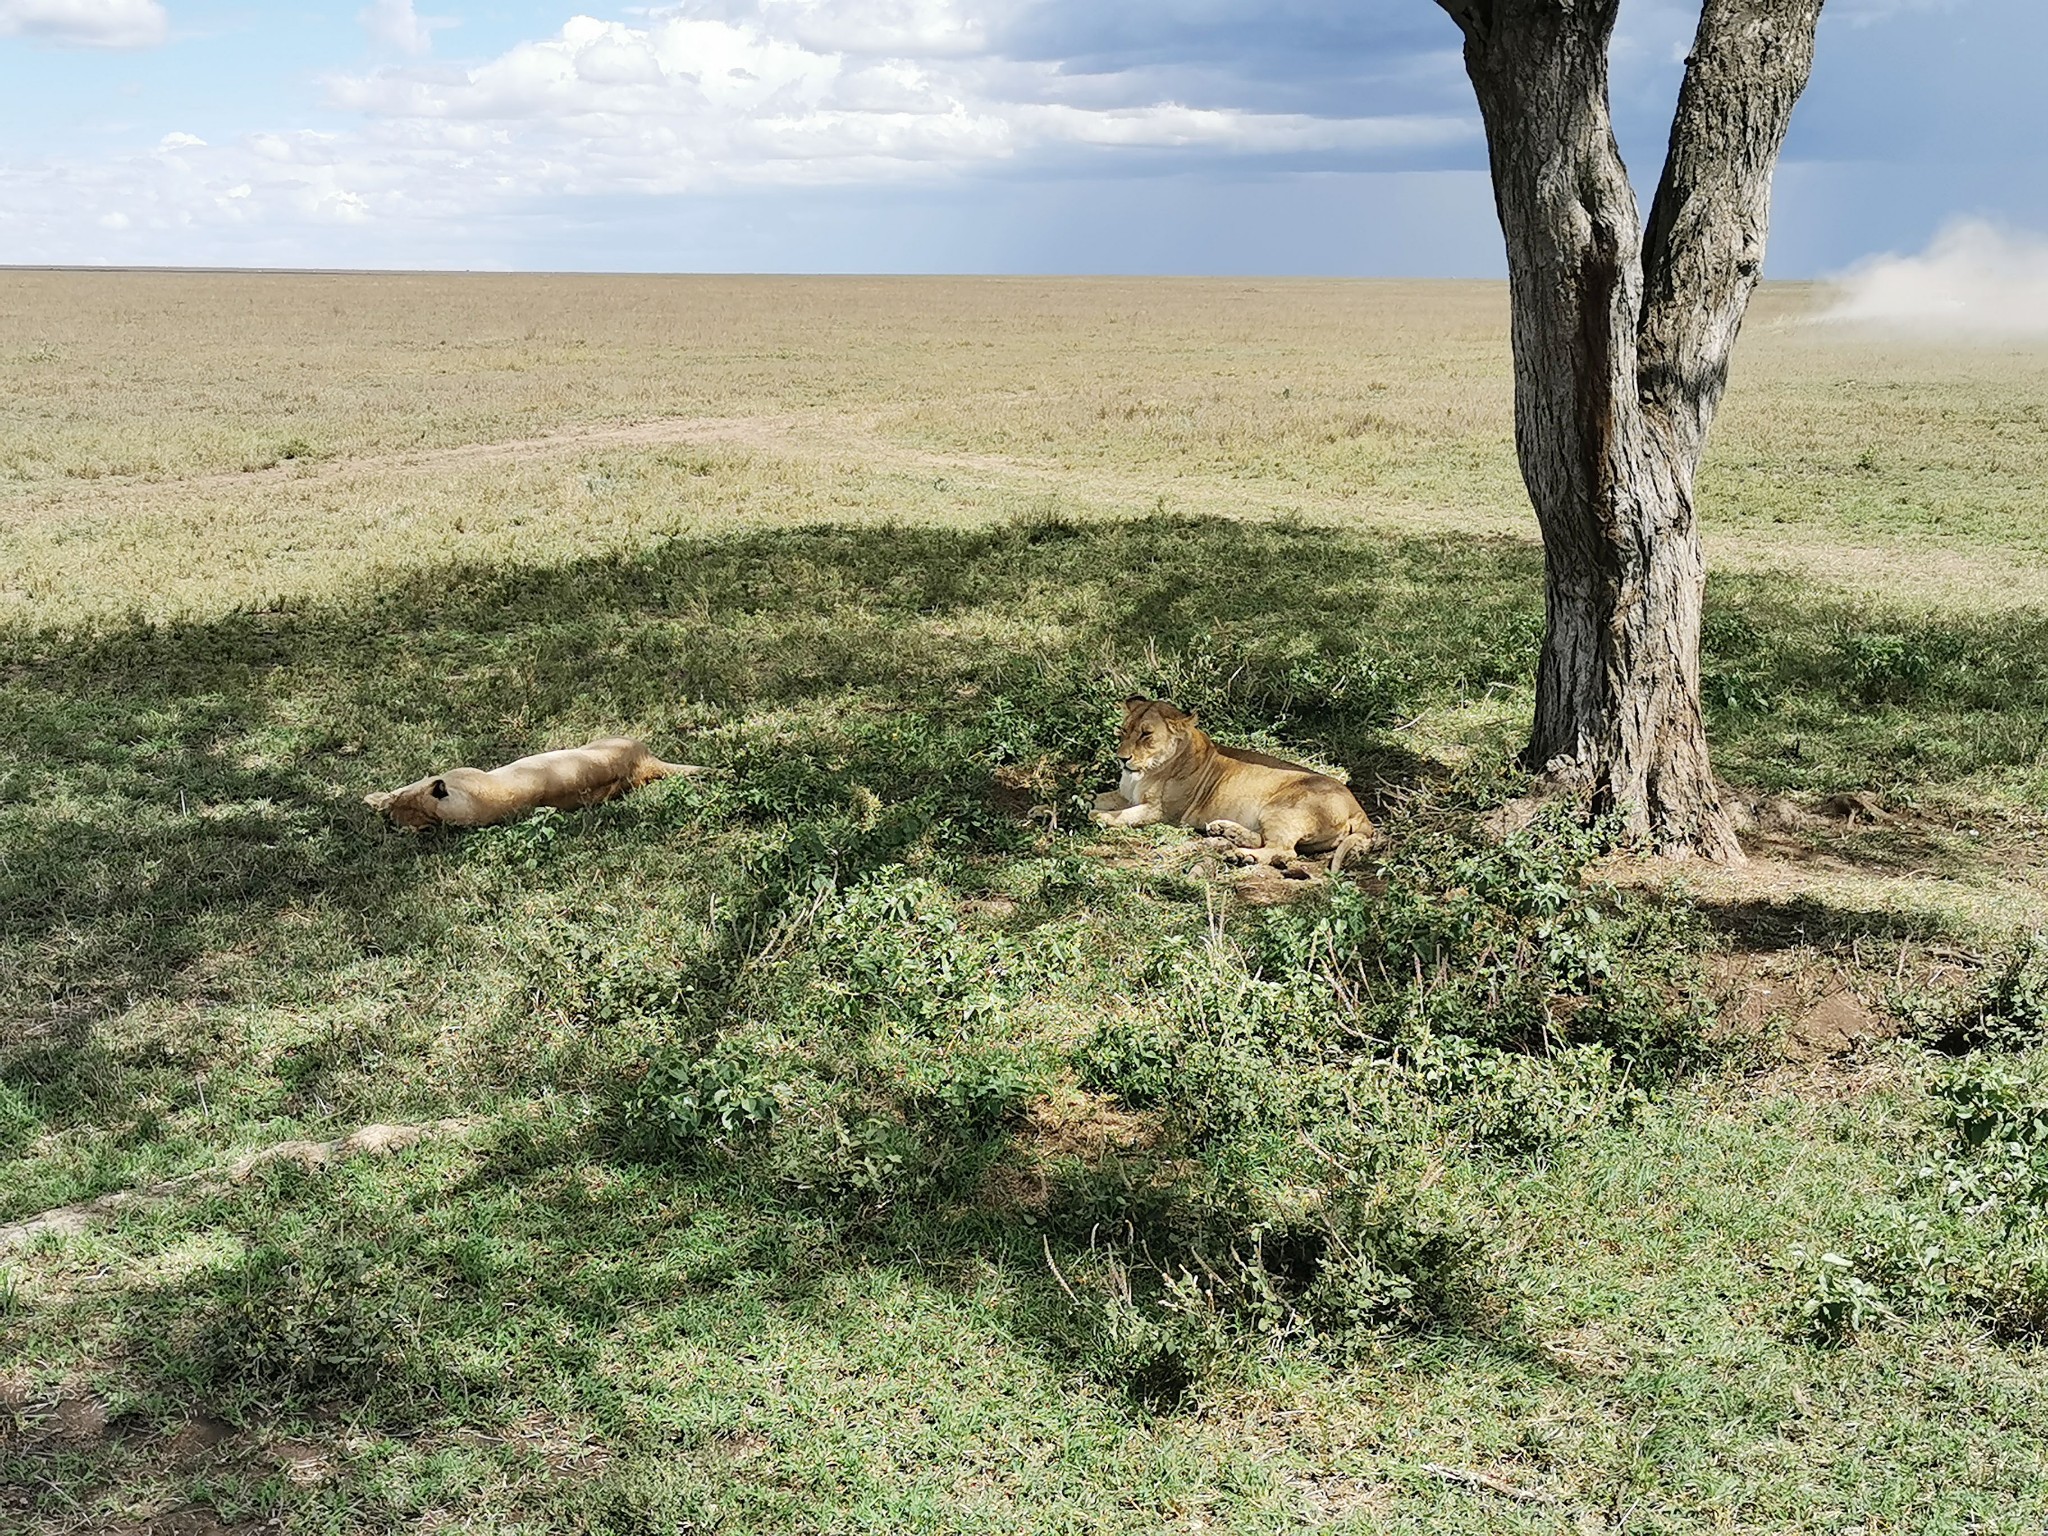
x: 1270, y: 136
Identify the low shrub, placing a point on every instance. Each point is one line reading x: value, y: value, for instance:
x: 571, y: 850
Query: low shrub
x: 1964, y: 1232
x: 2010, y: 1297
x: 2007, y: 1011
x: 311, y: 1321
x: 683, y: 1102
x: 1885, y: 667
x: 833, y: 1069
x: 1162, y: 1310
x: 1491, y: 980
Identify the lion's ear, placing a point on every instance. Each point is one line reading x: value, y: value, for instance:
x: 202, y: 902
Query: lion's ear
x: 1134, y: 703
x: 1189, y: 717
x: 439, y: 789
x: 377, y: 799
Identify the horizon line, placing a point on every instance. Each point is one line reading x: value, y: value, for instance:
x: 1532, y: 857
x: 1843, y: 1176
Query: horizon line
x: 192, y: 270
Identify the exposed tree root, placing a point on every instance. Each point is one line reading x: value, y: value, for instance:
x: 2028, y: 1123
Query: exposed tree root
x: 68, y: 1220
x: 1715, y: 840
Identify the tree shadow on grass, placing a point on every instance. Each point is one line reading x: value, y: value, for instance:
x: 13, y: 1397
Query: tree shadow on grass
x: 1765, y: 925
x: 182, y: 793
x: 1821, y: 693
x: 181, y: 800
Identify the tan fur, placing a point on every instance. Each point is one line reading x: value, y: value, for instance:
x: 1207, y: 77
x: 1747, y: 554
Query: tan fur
x: 575, y: 776
x: 1270, y: 809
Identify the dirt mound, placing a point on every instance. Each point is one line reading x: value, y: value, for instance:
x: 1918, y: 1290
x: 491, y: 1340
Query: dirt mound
x: 1799, y: 1002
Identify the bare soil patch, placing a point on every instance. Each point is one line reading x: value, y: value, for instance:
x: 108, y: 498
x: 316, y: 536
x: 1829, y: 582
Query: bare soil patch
x: 1806, y: 1003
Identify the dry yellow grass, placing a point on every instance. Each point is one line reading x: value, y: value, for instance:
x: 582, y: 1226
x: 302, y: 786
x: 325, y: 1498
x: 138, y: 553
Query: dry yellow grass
x: 179, y: 443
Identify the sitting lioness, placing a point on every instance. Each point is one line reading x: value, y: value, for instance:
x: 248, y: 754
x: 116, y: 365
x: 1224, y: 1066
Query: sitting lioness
x: 1270, y: 809
x: 575, y: 776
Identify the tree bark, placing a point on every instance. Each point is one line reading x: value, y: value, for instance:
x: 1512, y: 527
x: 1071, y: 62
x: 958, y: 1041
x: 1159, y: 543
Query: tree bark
x: 1621, y: 341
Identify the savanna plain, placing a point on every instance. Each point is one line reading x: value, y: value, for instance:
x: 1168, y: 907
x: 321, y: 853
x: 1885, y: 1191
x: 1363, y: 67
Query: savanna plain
x: 858, y: 1139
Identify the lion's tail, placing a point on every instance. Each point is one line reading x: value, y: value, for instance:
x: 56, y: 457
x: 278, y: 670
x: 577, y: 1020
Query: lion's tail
x: 1358, y: 837
x: 657, y: 769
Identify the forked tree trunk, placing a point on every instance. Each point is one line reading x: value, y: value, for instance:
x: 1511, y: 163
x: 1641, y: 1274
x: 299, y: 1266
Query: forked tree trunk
x: 1621, y: 341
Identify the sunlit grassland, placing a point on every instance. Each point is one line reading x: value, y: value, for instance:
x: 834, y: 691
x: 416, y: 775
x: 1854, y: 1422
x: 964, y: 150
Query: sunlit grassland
x: 349, y: 404
x: 860, y: 1141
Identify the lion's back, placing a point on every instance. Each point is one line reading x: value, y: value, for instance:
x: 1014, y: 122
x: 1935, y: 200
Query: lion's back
x: 1253, y: 786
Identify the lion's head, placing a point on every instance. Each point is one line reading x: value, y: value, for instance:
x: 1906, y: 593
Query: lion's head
x: 415, y: 807
x: 1156, y: 731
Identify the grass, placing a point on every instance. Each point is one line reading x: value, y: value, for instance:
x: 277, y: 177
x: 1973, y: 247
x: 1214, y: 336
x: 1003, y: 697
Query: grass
x: 861, y: 1141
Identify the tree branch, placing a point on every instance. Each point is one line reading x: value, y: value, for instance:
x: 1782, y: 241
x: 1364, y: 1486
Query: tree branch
x: 1472, y: 16
x: 1704, y: 247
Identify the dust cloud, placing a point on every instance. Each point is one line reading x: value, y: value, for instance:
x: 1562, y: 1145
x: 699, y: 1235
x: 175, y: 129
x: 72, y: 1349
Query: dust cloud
x: 1974, y: 280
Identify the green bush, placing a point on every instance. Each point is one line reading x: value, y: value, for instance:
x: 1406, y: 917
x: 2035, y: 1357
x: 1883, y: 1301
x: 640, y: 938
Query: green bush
x: 1836, y: 1303
x: 1476, y: 995
x: 1505, y: 946
x: 1998, y: 1166
x: 1965, y: 1233
x: 2007, y: 1011
x: 683, y: 1102
x: 1884, y: 668
x: 313, y: 1320
x: 1488, y: 979
x: 2010, y: 1297
x: 1164, y: 1310
x: 893, y: 953
x: 972, y: 1098
x: 2017, y: 999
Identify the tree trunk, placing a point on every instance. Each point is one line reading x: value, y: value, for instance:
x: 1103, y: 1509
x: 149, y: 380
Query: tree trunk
x: 1621, y: 344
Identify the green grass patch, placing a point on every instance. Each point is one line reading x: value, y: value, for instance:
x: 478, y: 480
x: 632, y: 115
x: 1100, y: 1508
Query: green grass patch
x: 865, y: 1150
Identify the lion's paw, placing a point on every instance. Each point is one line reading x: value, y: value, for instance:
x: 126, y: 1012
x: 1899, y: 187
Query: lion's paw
x: 1234, y: 834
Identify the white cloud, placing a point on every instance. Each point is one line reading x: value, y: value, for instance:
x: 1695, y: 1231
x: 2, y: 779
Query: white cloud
x: 86, y: 23
x: 714, y: 95
x: 919, y: 28
x: 185, y: 195
x: 393, y: 24
x: 1973, y: 280
x: 807, y: 91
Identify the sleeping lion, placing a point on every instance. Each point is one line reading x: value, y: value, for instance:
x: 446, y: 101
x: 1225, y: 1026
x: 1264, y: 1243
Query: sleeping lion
x: 1270, y: 809
x: 476, y: 797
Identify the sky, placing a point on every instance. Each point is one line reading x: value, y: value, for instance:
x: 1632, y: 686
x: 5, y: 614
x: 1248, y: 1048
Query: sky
x: 1327, y: 137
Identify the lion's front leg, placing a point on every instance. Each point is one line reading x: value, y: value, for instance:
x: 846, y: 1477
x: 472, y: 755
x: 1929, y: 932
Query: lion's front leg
x: 1122, y: 798
x: 1143, y: 815
x: 1278, y: 848
x: 1235, y: 833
